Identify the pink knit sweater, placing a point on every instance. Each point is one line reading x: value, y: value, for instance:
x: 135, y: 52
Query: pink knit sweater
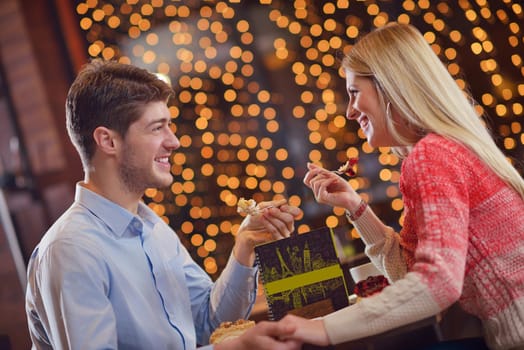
x: 462, y: 240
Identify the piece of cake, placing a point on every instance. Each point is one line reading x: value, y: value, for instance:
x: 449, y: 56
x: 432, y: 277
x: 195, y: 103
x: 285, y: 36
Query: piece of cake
x: 247, y: 206
x: 230, y: 330
x: 347, y: 168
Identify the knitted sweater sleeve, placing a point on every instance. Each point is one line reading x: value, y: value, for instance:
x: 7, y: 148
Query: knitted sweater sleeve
x: 437, y: 196
x: 382, y: 245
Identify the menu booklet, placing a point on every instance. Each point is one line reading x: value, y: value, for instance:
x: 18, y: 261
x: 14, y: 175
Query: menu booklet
x: 302, y: 275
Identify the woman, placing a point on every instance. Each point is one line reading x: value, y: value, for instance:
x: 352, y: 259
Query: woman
x: 464, y: 225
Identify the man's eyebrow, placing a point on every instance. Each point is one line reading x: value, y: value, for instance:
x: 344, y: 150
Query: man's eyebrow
x: 159, y: 120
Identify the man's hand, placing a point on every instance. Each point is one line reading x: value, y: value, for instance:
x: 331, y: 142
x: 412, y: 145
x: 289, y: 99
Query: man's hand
x: 275, y: 220
x: 264, y: 336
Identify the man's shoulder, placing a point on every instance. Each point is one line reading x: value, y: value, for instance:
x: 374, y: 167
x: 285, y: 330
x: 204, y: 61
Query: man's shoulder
x: 75, y: 216
x: 74, y: 226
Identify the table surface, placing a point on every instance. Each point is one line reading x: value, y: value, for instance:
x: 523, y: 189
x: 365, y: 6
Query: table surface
x: 412, y: 336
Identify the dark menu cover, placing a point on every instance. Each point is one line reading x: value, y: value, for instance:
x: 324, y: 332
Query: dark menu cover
x: 302, y: 275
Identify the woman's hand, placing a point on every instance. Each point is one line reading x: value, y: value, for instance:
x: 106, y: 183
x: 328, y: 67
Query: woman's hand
x: 275, y: 220
x: 264, y: 336
x: 307, y: 331
x: 329, y: 188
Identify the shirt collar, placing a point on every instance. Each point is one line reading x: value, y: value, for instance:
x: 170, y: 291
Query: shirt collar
x: 117, y: 218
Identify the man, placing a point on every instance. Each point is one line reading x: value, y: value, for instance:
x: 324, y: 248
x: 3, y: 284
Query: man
x: 109, y: 273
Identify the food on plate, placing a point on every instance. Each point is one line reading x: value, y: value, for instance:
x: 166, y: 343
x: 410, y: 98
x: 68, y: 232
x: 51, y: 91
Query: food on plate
x: 370, y: 286
x: 230, y: 330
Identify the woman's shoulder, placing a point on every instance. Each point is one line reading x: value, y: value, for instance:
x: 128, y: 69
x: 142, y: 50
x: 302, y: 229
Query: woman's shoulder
x: 438, y: 148
x: 435, y: 143
x: 437, y: 153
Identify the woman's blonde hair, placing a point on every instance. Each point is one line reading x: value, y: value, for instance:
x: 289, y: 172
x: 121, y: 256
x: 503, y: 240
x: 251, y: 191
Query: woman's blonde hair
x: 411, y: 77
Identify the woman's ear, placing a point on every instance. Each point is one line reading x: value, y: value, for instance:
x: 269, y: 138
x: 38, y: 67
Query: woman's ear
x: 106, y: 139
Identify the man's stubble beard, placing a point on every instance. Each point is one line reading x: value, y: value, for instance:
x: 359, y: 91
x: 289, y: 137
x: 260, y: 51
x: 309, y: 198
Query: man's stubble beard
x: 136, y: 179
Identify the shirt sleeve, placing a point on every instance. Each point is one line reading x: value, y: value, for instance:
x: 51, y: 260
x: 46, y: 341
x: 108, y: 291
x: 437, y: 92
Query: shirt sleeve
x: 206, y: 347
x: 235, y: 291
x: 73, y: 285
x: 230, y: 298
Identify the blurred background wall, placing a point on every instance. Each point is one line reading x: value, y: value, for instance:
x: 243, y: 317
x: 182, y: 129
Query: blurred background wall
x: 259, y: 93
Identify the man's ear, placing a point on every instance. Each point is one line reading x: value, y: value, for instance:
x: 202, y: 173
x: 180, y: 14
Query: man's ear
x: 106, y: 139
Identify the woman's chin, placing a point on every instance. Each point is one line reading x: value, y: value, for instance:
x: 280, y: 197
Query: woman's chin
x: 375, y: 143
x: 371, y: 141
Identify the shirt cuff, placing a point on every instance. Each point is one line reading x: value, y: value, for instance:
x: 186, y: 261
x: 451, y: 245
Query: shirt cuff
x: 238, y: 275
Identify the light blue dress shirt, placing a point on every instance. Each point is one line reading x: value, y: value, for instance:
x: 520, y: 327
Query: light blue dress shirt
x: 103, y: 278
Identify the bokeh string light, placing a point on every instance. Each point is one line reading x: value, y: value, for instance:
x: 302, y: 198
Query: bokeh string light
x: 260, y: 92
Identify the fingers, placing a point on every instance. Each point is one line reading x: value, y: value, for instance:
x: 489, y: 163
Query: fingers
x: 279, y: 224
x: 278, y: 218
x: 272, y: 335
x: 281, y: 221
x: 294, y: 211
x: 313, y: 174
x: 319, y: 187
x: 308, y: 331
x: 276, y: 329
x: 327, y: 187
x: 275, y: 221
x: 275, y: 203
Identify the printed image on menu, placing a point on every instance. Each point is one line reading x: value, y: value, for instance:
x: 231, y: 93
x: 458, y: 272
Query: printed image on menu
x: 302, y: 275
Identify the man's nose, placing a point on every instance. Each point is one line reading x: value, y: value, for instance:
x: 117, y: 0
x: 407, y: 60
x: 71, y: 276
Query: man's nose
x: 172, y: 142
